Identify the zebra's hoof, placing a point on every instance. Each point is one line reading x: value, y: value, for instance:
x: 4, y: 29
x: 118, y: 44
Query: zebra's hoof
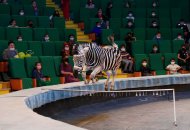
x: 106, y: 88
x: 111, y: 88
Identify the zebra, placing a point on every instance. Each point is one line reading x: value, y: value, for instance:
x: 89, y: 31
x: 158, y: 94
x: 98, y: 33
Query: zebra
x: 96, y: 58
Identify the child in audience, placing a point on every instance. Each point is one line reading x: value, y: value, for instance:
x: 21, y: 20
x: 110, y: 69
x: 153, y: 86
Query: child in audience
x: 67, y: 71
x: 10, y: 52
x: 173, y: 67
x: 145, y: 70
x: 38, y: 75
x: 12, y: 24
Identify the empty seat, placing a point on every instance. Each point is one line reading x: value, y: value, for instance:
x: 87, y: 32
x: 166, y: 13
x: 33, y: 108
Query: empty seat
x: 123, y: 33
x: 166, y: 33
x: 140, y: 33
x: 36, y: 47
x: 21, y: 46
x: 20, y: 20
x: 150, y: 33
x: 57, y: 63
x: 53, y: 34
x: 48, y: 48
x: 2, y: 33
x: 27, y: 34
x: 39, y: 33
x: 59, y: 22
x: 5, y: 19
x: 137, y: 47
x: 165, y: 46
x: 48, y: 11
x: 28, y: 10
x: 43, y: 22
x: 104, y: 36
x: 176, y: 44
x: 4, y: 9
x: 115, y: 25
x: 15, y: 9
x: 12, y: 33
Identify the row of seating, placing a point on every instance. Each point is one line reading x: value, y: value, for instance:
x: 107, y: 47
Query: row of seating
x: 38, y: 21
x: 35, y: 34
x: 26, y: 2
x: 157, y: 62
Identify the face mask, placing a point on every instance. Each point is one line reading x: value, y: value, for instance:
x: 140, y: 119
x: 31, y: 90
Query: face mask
x: 72, y: 38
x: 122, y: 49
x: 154, y: 24
x: 98, y: 26
x: 38, y: 67
x: 12, y: 49
x: 20, y: 39
x: 155, y: 49
x: 158, y: 37
x: 179, y: 37
x: 144, y: 63
x: 130, y: 15
x: 67, y: 48
x: 21, y: 13
x: 46, y: 38
x: 172, y: 63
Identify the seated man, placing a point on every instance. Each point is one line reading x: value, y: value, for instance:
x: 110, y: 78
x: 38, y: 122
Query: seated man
x: 10, y: 52
x: 173, y: 67
x: 145, y: 70
x: 155, y: 49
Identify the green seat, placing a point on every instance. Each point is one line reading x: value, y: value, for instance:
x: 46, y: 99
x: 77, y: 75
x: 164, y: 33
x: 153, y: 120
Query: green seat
x: 156, y: 63
x: 59, y: 22
x: 21, y: 46
x: 92, y: 23
x: 20, y: 20
x: 104, y: 36
x: 30, y: 64
x: 58, y: 47
x: 28, y: 10
x: 12, y: 33
x: 168, y: 57
x: 17, y: 70
x: 137, y: 47
x: 176, y: 44
x: 48, y: 48
x: 120, y: 43
x: 27, y: 34
x: 33, y: 19
x: 71, y: 62
x: 43, y: 22
x: 140, y: 33
x: 2, y: 33
x: 138, y: 60
x: 75, y: 9
x: 15, y: 9
x: 4, y: 9
x: 116, y: 12
x: 36, y: 47
x: 165, y: 46
x: 5, y: 19
x: 150, y: 33
x: 165, y: 23
x: 48, y: 11
x: 175, y: 32
x: 164, y: 4
x: 61, y: 34
x: 166, y: 33
x: 115, y: 25
x: 87, y: 13
x: 39, y: 33
x: 148, y: 46
x: 69, y: 32
x: 53, y: 34
x: 140, y: 23
x: 175, y: 16
x: 123, y: 33
x: 49, y: 68
x: 164, y: 13
x: 57, y: 63
x: 3, y: 46
x: 140, y: 13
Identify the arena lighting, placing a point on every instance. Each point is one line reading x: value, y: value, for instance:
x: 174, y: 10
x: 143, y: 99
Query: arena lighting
x: 138, y: 93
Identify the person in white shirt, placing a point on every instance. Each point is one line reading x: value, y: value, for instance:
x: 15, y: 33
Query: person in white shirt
x: 173, y: 67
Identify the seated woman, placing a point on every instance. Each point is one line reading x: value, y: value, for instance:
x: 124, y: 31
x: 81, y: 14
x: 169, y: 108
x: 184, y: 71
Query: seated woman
x: 155, y: 49
x: 67, y: 71
x: 38, y: 75
x: 145, y: 70
x: 173, y: 67
x: 10, y: 52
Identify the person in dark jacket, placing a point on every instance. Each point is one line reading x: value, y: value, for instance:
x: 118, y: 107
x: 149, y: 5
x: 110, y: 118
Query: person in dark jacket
x: 145, y: 70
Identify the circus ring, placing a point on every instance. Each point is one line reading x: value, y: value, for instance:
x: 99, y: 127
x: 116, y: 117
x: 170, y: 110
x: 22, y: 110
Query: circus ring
x: 17, y: 109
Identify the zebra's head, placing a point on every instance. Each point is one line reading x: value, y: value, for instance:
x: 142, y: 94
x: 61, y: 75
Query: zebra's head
x: 84, y: 47
x: 79, y: 62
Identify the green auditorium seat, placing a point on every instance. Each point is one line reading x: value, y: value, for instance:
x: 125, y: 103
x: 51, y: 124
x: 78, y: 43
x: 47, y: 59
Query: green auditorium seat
x: 140, y: 23
x: 30, y: 64
x: 115, y: 25
x: 168, y: 57
x: 27, y: 34
x: 165, y: 46
x: 104, y: 4
x: 164, y: 12
x: 12, y: 33
x: 15, y: 9
x: 61, y: 34
x: 176, y: 44
x: 75, y: 9
x: 49, y: 69
x: 71, y: 60
x: 21, y: 46
x: 140, y: 33
x: 48, y: 11
x: 28, y: 10
x: 59, y: 22
x: 104, y: 36
x: 4, y: 9
x: 39, y: 33
x: 138, y: 60
x: 43, y: 21
x: 20, y: 20
x: 17, y: 70
x: 116, y: 12
x: 33, y: 19
x: 87, y: 13
x: 120, y: 43
x: 2, y: 33
x: 175, y: 32
x: 150, y: 33
x: 69, y: 32
x: 118, y: 4
x: 57, y: 63
x: 137, y: 47
x: 140, y: 13
x: 58, y: 47
x: 53, y: 34
x: 36, y: 47
x: 148, y: 46
x: 140, y: 3
x: 164, y: 3
x: 165, y: 23
x: 25, y: 2
x: 3, y: 46
x: 124, y: 32
x: 48, y: 48
x: 156, y: 64
x: 5, y: 19
x: 175, y: 16
x: 166, y: 33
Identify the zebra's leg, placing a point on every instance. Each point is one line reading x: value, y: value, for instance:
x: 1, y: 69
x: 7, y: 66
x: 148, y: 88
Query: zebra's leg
x: 113, y: 80
x: 94, y: 73
x: 84, y: 75
x: 108, y: 73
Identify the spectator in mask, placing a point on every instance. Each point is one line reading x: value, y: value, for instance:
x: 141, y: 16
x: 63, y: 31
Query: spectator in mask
x: 186, y: 37
x: 100, y: 15
x: 182, y: 24
x: 10, y: 52
x: 19, y: 38
x: 30, y: 24
x: 97, y: 30
x: 144, y: 69
x: 179, y: 37
x: 46, y: 38
x: 108, y: 10
x: 183, y: 58
x: 12, y: 24
x: 51, y: 18
x: 130, y: 16
x: 154, y: 14
x: 68, y: 46
x: 173, y: 67
x: 155, y: 4
x: 3, y: 2
x: 155, y: 49
x: 157, y: 38
x: 128, y: 40
x: 154, y: 24
x: 35, y: 7
x: 130, y: 24
x: 21, y: 12
x: 90, y: 4
x: 127, y: 62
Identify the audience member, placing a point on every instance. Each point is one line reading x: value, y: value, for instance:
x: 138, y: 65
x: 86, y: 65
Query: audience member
x: 10, y: 52
x: 67, y: 71
x: 179, y: 37
x: 154, y: 24
x: 183, y: 58
x: 97, y: 30
x: 155, y: 49
x: 173, y: 67
x: 35, y: 8
x: 144, y: 69
x: 130, y: 16
x: 46, y: 38
x: 68, y: 46
x: 157, y: 38
x: 130, y: 24
x: 12, y: 24
x: 100, y: 15
x: 19, y: 38
x: 186, y: 37
x: 30, y: 24
x: 182, y: 24
x: 112, y: 41
x: 90, y: 4
x: 128, y: 40
x: 108, y: 10
x: 21, y: 12
x: 153, y: 14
